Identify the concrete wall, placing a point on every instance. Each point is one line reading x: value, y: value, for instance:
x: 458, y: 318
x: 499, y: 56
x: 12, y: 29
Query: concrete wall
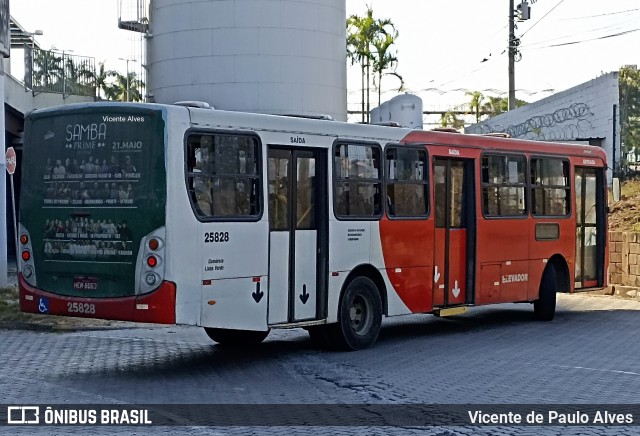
x: 583, y: 113
x: 23, y: 101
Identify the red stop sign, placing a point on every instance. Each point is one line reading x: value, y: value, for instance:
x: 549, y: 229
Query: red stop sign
x: 11, y: 160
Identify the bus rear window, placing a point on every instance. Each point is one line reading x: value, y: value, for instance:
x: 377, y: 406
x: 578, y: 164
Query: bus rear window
x: 223, y: 176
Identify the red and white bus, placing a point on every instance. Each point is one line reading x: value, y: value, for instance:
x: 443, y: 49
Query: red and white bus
x: 241, y: 223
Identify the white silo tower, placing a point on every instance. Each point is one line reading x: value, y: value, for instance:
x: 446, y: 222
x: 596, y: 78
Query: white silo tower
x: 269, y: 56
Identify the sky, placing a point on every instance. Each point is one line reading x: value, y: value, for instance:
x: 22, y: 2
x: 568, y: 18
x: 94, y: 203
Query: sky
x: 441, y: 44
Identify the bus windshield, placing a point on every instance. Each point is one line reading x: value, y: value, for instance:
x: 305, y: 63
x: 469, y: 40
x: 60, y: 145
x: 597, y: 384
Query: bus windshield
x: 94, y: 186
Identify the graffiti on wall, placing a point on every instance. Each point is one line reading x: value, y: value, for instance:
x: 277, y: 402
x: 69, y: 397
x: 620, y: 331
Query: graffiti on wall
x: 563, y: 124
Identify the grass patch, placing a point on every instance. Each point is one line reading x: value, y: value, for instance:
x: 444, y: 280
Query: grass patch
x: 10, y: 307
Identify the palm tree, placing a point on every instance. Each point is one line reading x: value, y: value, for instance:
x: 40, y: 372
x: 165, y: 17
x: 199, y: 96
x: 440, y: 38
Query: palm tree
x: 475, y: 103
x: 87, y: 77
x: 72, y: 78
x: 360, y: 31
x: 128, y: 88
x: 103, y: 87
x: 47, y: 69
x: 450, y: 119
x: 368, y: 45
x: 497, y: 105
x: 383, y: 59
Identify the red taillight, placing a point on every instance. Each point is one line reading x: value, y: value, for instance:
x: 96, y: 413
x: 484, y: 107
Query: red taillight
x: 26, y: 256
x: 152, y: 261
x: 154, y: 244
x: 24, y: 239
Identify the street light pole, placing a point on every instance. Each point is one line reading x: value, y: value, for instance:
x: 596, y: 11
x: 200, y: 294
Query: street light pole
x: 33, y: 35
x: 128, y: 84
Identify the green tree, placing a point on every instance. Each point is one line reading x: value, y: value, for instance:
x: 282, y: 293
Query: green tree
x: 47, y: 69
x: 629, y: 88
x: 127, y: 88
x: 383, y: 58
x: 362, y: 35
x: 476, y: 103
x: 72, y: 78
x: 450, y: 119
x: 103, y: 85
x: 497, y: 105
x: 359, y: 36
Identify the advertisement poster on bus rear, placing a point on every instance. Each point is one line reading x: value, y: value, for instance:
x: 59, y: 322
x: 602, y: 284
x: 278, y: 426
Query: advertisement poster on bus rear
x: 96, y: 186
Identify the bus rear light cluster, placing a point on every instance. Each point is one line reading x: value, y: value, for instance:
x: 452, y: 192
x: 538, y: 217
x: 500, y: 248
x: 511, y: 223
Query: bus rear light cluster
x: 26, y: 260
x: 150, y: 262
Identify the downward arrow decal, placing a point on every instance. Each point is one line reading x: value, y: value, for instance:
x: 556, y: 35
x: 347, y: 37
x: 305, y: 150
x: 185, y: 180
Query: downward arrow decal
x: 436, y: 275
x: 456, y: 290
x: 258, y: 294
x: 305, y: 295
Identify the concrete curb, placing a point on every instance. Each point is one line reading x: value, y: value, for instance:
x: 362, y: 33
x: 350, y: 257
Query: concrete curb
x: 626, y: 292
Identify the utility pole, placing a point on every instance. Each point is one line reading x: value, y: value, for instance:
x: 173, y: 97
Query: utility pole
x: 512, y: 55
x: 524, y: 13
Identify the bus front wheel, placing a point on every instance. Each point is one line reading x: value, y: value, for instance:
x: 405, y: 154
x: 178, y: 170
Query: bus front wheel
x: 359, y: 316
x: 544, y: 307
x: 235, y: 337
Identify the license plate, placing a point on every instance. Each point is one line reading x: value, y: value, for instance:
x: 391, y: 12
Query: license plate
x: 85, y: 284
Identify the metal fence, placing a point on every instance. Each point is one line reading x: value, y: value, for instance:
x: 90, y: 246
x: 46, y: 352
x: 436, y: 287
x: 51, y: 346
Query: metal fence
x: 59, y: 72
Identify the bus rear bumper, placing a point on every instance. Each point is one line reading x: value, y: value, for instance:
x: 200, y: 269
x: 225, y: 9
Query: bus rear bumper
x: 158, y: 306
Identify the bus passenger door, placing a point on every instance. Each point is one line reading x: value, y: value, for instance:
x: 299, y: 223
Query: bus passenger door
x: 590, y: 231
x: 454, y: 232
x: 297, y: 234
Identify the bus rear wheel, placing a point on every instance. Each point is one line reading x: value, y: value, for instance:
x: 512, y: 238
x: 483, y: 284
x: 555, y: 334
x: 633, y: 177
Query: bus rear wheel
x: 235, y: 337
x: 359, y: 316
x: 544, y: 307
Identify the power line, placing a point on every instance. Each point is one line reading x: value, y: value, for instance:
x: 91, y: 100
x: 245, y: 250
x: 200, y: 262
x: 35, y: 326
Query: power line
x: 602, y: 15
x: 542, y: 18
x: 613, y: 35
x: 615, y: 27
x: 594, y: 39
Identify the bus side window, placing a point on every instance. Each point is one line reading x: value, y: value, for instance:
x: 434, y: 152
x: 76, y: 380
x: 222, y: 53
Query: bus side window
x: 357, y: 181
x: 223, y: 175
x: 550, y: 186
x: 406, y: 179
x: 504, y: 185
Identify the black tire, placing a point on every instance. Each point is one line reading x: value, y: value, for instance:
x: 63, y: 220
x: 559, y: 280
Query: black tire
x: 359, y: 316
x: 235, y: 337
x: 544, y: 307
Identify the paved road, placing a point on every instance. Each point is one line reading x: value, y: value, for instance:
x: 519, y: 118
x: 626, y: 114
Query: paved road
x: 496, y: 354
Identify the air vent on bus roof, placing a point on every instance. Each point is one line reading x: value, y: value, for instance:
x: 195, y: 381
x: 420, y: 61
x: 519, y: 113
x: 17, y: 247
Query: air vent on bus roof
x: 198, y: 104
x: 497, y: 134
x: 387, y: 124
x: 312, y: 117
x: 445, y: 129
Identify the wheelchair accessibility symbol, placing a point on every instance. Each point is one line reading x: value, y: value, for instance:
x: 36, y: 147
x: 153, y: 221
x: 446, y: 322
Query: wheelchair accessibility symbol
x: 43, y: 305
